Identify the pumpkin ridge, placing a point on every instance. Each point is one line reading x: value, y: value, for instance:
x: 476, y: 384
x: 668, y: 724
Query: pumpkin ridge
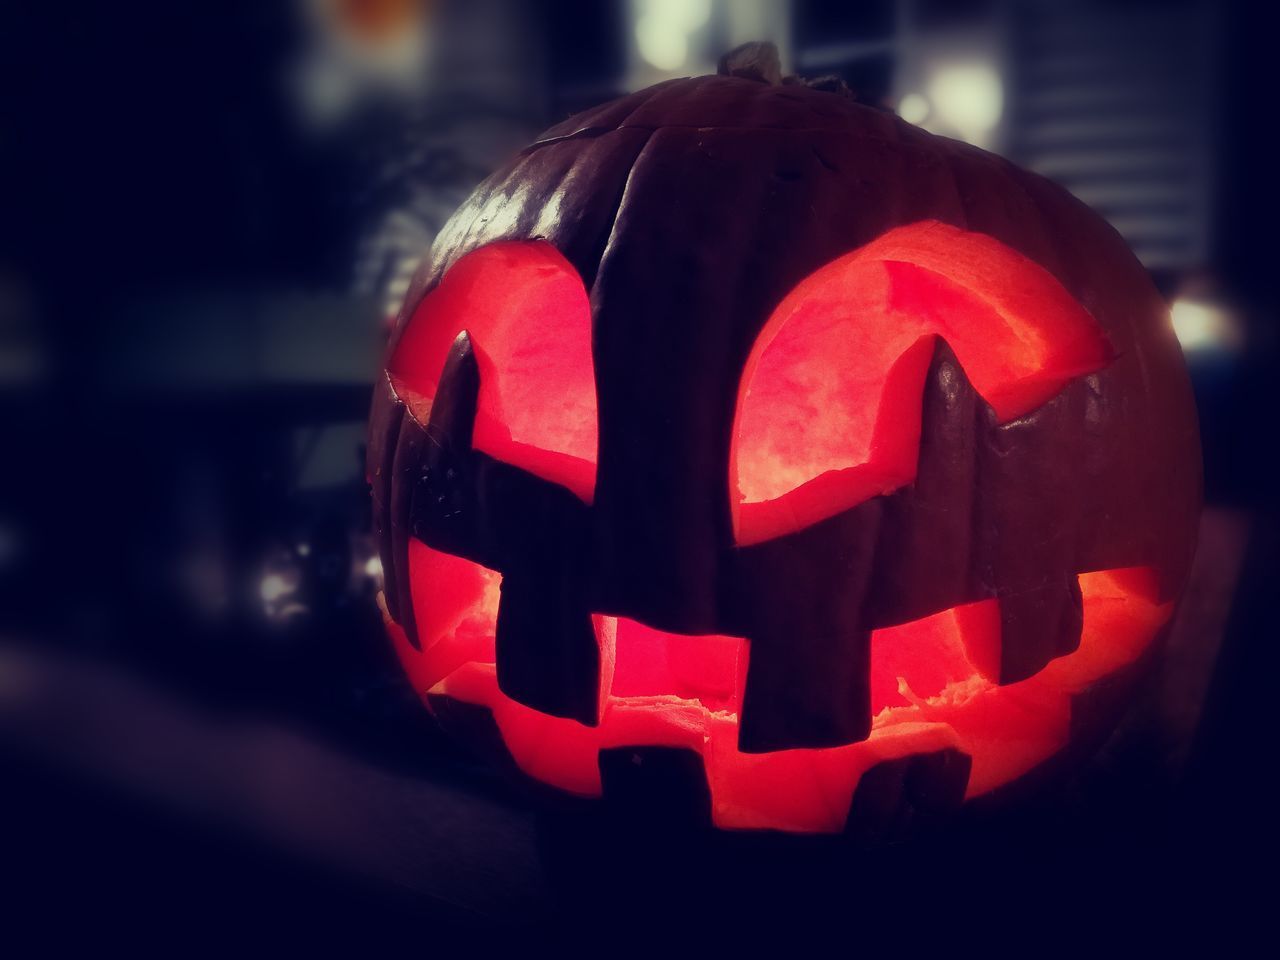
x: 612, y: 219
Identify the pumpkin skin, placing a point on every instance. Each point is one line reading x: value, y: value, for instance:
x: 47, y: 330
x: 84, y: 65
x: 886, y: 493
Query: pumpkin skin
x: 604, y: 558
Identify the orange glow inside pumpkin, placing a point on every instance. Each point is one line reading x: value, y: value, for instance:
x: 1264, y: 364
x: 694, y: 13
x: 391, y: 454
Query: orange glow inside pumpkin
x: 830, y: 401
x: 930, y: 684
x: 526, y: 312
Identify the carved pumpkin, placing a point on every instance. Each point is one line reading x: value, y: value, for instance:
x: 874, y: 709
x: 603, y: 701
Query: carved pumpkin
x: 747, y: 441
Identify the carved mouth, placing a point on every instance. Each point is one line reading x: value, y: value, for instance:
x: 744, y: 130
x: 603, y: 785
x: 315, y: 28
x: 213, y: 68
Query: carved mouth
x: 666, y: 690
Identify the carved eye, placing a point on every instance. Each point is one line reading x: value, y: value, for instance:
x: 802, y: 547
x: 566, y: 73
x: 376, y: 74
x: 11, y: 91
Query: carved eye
x: 527, y: 314
x: 829, y: 404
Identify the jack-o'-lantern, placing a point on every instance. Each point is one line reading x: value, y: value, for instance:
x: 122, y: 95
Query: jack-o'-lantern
x: 745, y: 440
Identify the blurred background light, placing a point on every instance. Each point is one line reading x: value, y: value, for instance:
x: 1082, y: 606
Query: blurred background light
x: 914, y: 108
x: 358, y: 49
x: 968, y: 98
x: 273, y: 587
x: 664, y: 43
x: 1201, y: 324
x: 666, y: 31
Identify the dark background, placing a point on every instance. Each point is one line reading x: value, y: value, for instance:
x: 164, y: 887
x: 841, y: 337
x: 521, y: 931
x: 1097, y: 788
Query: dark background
x: 208, y: 212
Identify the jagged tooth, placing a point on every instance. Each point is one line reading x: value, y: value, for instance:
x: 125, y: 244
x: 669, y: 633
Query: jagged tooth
x: 453, y: 411
x: 548, y: 656
x: 444, y: 508
x: 656, y: 787
x: 429, y: 475
x: 811, y: 694
x: 474, y: 725
x: 901, y: 796
x: 808, y: 671
x: 924, y: 563
x: 1037, y: 625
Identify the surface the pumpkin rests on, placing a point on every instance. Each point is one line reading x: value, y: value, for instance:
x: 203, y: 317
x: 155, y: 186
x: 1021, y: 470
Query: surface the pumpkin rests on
x: 743, y: 420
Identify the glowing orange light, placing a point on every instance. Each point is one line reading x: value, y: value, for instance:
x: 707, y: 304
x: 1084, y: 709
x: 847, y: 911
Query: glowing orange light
x: 829, y: 405
x: 930, y: 681
x: 529, y: 320
x: 950, y: 647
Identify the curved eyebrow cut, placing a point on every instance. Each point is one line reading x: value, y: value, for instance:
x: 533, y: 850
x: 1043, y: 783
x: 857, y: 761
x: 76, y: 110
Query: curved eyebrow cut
x: 828, y: 411
x: 526, y: 312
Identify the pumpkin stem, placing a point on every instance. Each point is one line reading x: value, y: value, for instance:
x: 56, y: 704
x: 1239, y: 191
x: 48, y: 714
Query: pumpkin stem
x: 828, y: 83
x: 759, y: 60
